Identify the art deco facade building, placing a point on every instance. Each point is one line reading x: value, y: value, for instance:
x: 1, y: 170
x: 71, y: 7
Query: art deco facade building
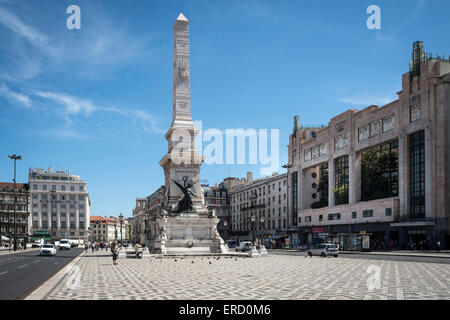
x: 381, y: 171
x: 60, y: 204
x: 7, y: 210
x: 259, y: 209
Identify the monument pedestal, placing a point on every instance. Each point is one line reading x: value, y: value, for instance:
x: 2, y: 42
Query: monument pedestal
x: 122, y: 253
x: 187, y: 234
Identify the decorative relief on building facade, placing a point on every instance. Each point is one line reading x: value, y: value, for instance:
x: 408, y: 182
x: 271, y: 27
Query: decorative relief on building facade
x: 340, y: 141
x: 414, y: 111
x: 376, y: 127
x: 322, y: 149
x: 308, y: 155
x: 388, y: 122
x: 315, y: 152
x: 364, y: 133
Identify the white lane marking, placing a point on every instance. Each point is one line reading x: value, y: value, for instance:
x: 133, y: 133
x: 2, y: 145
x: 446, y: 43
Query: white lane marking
x: 37, y: 261
x: 56, y: 262
x: 25, y: 265
x: 3, y: 272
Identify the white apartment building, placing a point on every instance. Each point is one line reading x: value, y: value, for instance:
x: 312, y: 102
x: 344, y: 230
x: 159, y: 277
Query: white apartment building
x: 59, y: 204
x: 259, y: 209
x: 107, y: 229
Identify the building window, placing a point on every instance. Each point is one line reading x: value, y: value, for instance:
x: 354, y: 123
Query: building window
x: 334, y: 216
x: 308, y: 219
x: 379, y: 172
x: 341, y: 180
x: 322, y: 187
x: 354, y: 215
x: 54, y: 187
x: 72, y: 188
x: 44, y: 187
x: 294, y: 195
x: 63, y: 188
x: 299, y: 219
x: 320, y: 217
x: 388, y: 212
x: 35, y: 187
x: 417, y: 174
x: 367, y: 213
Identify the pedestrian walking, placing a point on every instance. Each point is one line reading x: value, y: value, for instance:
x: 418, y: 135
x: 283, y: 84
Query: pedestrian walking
x: 86, y: 247
x: 136, y: 249
x: 93, y: 246
x: 114, y: 251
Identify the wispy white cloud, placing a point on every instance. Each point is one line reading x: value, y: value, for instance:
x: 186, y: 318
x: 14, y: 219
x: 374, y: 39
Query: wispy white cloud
x: 105, y: 48
x: 23, y: 30
x: 14, y: 97
x: 72, y: 106
x: 366, y: 100
x: 391, y: 36
x: 65, y: 133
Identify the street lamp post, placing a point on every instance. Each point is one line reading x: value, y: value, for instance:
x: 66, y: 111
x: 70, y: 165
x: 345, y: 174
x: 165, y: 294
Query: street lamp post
x: 15, y: 158
x: 253, y: 220
x: 287, y: 166
x: 115, y: 231
x: 121, y: 222
x: 261, y: 220
x: 122, y: 251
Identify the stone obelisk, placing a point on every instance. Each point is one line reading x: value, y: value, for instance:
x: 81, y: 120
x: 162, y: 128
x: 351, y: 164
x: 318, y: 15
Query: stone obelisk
x: 182, y: 162
x: 183, y: 224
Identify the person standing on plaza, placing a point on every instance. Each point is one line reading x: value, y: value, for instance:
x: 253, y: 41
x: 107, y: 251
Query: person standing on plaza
x: 114, y: 251
x: 93, y: 246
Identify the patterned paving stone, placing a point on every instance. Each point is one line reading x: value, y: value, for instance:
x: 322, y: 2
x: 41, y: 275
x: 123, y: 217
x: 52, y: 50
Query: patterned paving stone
x: 271, y: 277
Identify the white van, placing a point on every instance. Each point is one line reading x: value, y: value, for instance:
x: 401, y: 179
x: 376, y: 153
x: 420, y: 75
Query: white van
x: 64, y: 244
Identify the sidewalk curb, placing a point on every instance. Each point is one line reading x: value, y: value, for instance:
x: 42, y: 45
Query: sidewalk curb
x: 397, y: 254
x: 441, y: 256
x: 40, y: 292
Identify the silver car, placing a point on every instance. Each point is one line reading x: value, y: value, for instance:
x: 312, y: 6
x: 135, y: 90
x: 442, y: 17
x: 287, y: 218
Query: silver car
x: 324, y: 250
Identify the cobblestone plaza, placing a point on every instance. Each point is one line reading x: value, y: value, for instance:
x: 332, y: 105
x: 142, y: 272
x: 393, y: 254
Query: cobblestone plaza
x: 287, y: 277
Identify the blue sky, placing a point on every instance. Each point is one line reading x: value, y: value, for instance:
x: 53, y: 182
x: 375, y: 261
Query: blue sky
x: 98, y: 100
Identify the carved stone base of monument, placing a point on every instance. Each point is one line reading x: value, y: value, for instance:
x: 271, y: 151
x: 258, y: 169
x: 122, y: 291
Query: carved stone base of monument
x: 122, y: 253
x: 145, y: 254
x: 263, y: 251
x: 187, y: 234
x: 253, y: 253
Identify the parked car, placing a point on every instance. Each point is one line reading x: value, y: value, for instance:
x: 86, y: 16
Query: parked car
x: 244, y: 246
x: 231, y: 243
x: 48, y: 250
x: 74, y: 245
x: 64, y: 244
x: 36, y: 244
x: 324, y: 250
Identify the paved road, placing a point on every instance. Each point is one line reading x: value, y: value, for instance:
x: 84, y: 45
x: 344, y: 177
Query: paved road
x: 372, y: 257
x: 20, y: 273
